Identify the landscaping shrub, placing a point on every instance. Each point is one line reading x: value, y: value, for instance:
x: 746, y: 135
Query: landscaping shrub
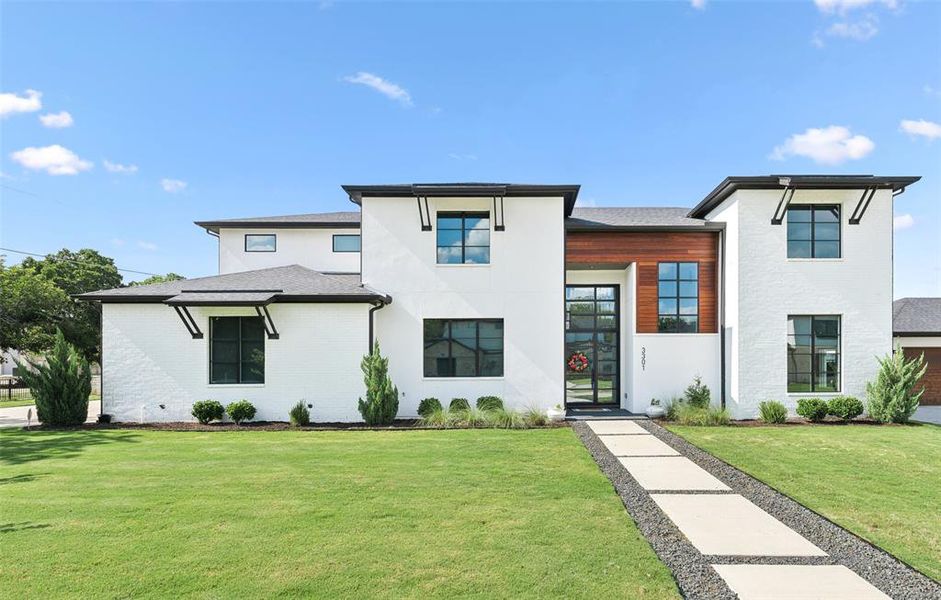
x: 697, y: 394
x: 669, y: 408
x: 459, y: 404
x: 508, y: 419
x: 812, y: 409
x: 241, y: 410
x: 427, y: 406
x: 489, y: 403
x: 687, y: 414
x: 535, y: 417
x: 438, y: 417
x: 474, y: 417
x: 60, y: 384
x: 845, y: 407
x: 892, y: 397
x: 206, y: 411
x: 299, y: 415
x: 382, y: 398
x: 772, y: 411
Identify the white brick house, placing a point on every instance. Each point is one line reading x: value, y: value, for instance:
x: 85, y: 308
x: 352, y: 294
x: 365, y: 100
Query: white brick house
x: 772, y: 287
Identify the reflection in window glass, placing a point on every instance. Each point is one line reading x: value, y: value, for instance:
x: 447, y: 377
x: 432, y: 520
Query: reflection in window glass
x: 261, y: 242
x: 463, y: 238
x: 463, y: 347
x: 813, y: 231
x: 678, y: 297
x: 813, y: 353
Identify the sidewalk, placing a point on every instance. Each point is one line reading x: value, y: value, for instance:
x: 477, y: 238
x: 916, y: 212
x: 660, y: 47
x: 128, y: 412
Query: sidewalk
x: 16, y: 416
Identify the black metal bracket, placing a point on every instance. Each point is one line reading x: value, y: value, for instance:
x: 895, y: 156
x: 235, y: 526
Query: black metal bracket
x: 270, y: 329
x: 781, y: 210
x: 862, y: 205
x: 423, y: 213
x: 499, y: 224
x: 189, y: 322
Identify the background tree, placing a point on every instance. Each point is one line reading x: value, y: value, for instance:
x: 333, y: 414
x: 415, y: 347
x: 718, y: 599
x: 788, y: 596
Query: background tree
x: 157, y: 279
x: 31, y: 307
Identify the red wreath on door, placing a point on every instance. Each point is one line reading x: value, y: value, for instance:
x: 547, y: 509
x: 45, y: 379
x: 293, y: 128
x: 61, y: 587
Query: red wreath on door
x: 577, y: 362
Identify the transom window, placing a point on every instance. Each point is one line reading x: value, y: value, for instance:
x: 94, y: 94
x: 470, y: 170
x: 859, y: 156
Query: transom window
x: 463, y: 238
x: 346, y: 243
x: 255, y: 242
x: 813, y: 231
x: 463, y: 348
x: 678, y: 297
x: 236, y: 350
x: 813, y: 353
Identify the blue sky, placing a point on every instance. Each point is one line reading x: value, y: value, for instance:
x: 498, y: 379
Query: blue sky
x: 186, y: 111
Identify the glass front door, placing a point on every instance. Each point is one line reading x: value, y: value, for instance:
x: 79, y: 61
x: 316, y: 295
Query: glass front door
x: 591, y: 345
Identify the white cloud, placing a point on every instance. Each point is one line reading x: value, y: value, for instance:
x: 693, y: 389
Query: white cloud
x: 117, y: 242
x: 930, y: 90
x: 902, y: 221
x: 827, y: 146
x: 923, y: 128
x: 861, y: 31
x: 11, y: 103
x: 386, y: 88
x: 54, y: 160
x: 173, y: 186
x: 57, y: 120
x: 843, y: 6
x: 457, y: 156
x: 147, y: 246
x: 119, y: 168
x: 698, y: 4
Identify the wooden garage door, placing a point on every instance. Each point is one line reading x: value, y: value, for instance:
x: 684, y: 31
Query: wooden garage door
x: 932, y: 378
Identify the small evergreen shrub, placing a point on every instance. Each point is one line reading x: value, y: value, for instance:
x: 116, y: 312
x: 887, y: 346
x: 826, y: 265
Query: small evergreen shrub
x: 772, y: 411
x: 459, y: 404
x: 697, y: 394
x: 892, y: 397
x: 382, y: 398
x: 60, y: 384
x: 206, y: 411
x: 299, y: 415
x: 427, y: 406
x: 812, y: 409
x: 240, y: 411
x: 846, y: 408
x: 489, y: 403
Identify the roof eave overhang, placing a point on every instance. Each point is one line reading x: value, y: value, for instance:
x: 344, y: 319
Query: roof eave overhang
x: 916, y: 334
x: 709, y: 227
x: 297, y: 298
x: 569, y: 193
x: 215, y: 226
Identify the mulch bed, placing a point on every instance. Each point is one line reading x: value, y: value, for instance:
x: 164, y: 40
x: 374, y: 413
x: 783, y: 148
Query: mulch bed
x: 398, y: 425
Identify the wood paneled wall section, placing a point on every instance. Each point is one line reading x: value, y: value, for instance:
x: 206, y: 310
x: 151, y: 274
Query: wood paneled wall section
x: 646, y: 249
x: 932, y: 379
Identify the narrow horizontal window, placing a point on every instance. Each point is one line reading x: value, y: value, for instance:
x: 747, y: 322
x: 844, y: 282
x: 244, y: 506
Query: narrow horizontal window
x: 813, y: 231
x: 236, y: 350
x: 463, y: 348
x: 346, y: 243
x: 261, y: 242
x: 678, y: 297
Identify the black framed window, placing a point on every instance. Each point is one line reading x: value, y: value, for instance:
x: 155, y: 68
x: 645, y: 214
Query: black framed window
x: 236, y: 350
x: 813, y: 353
x: 258, y: 242
x: 678, y: 297
x: 813, y: 231
x: 463, y: 347
x: 346, y: 243
x: 463, y: 238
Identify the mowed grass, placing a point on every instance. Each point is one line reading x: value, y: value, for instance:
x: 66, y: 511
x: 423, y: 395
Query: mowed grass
x: 485, y: 513
x: 881, y: 483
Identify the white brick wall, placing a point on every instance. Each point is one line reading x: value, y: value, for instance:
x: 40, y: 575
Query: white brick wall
x: 150, y: 359
x: 311, y: 248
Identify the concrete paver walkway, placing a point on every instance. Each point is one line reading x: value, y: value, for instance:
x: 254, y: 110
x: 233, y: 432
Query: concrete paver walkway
x: 16, y: 416
x: 636, y: 445
x: 797, y: 582
x: 673, y: 473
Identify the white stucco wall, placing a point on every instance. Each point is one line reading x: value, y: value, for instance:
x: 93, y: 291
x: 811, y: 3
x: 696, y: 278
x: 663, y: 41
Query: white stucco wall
x: 150, y: 359
x: 767, y: 287
x: 311, y: 248
x: 523, y: 285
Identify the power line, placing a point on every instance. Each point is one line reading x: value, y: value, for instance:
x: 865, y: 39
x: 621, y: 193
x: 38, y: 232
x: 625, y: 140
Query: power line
x: 70, y: 259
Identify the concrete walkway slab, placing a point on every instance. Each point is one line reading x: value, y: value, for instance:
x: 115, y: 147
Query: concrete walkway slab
x: 797, y: 582
x: 15, y: 416
x: 618, y: 427
x: 636, y: 445
x: 670, y: 473
x: 730, y: 525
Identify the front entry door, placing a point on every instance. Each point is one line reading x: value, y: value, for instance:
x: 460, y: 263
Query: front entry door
x: 592, y: 335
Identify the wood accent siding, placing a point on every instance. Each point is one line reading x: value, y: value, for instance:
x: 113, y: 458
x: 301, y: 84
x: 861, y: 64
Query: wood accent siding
x: 932, y: 379
x: 646, y: 249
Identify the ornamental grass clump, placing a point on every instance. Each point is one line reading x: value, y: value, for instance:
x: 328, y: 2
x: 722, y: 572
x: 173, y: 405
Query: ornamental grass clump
x: 812, y: 409
x: 474, y: 417
x: 772, y: 411
x: 206, y: 411
x: 845, y: 408
x: 60, y: 384
x: 892, y: 397
x: 299, y: 415
x: 440, y: 418
x: 687, y: 414
x: 508, y: 419
x: 535, y: 417
x: 382, y: 398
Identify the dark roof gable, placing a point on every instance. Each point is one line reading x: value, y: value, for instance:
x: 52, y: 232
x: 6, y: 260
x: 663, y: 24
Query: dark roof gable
x: 917, y: 316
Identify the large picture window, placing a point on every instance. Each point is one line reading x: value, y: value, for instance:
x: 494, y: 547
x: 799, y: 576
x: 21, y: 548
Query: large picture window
x: 463, y: 238
x: 813, y: 231
x: 463, y: 348
x: 678, y: 297
x: 236, y: 350
x: 813, y: 354
x: 256, y: 242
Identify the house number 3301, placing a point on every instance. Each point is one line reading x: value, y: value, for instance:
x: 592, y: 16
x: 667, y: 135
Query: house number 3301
x: 643, y: 358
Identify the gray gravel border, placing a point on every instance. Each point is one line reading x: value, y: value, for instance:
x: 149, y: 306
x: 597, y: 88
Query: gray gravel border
x: 691, y: 569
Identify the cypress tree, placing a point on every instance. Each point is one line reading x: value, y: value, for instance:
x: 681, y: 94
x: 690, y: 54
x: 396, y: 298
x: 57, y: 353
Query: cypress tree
x: 60, y: 385
x: 382, y: 398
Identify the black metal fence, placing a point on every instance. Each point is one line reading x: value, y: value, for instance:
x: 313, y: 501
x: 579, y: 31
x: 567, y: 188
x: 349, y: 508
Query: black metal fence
x: 13, y: 389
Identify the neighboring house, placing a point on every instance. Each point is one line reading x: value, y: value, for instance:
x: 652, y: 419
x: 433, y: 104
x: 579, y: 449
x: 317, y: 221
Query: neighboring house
x: 917, y: 326
x: 8, y: 360
x: 772, y: 287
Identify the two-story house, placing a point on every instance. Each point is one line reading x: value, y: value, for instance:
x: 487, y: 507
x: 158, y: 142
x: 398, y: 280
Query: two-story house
x: 772, y: 287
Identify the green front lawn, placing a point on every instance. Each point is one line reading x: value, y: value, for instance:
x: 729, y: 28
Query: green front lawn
x: 881, y: 483
x: 486, y: 513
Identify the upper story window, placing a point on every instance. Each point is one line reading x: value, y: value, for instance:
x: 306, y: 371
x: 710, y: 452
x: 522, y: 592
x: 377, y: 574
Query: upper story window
x: 463, y: 238
x: 236, y: 350
x: 346, y: 243
x: 813, y: 231
x: 256, y: 242
x: 813, y: 353
x: 678, y: 297
x: 463, y: 348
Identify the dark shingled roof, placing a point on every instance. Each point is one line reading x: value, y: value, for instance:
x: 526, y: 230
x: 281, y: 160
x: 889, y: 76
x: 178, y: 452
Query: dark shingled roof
x: 330, y: 220
x: 292, y: 283
x: 633, y: 217
x: 917, y: 316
